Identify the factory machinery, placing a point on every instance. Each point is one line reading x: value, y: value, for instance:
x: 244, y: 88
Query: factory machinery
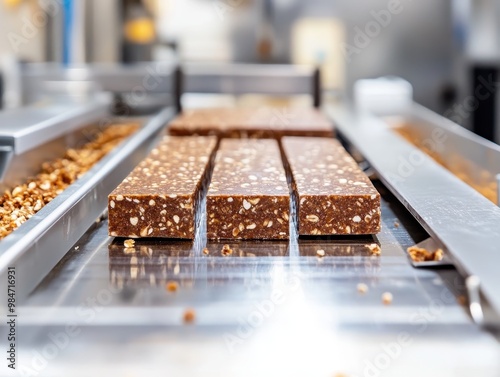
x: 89, y: 306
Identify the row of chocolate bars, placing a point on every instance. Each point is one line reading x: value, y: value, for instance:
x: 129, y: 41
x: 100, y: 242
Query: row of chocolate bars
x: 251, y: 165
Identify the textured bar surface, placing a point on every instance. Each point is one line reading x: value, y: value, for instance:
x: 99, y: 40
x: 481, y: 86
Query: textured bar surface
x: 333, y: 195
x: 160, y: 197
x: 248, y: 197
x: 252, y: 123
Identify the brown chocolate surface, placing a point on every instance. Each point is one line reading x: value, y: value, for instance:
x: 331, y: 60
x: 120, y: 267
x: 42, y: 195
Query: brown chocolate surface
x: 160, y: 197
x: 333, y: 195
x: 266, y: 122
x: 248, y: 197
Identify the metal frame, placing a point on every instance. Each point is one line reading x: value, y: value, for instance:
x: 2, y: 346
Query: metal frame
x: 240, y: 79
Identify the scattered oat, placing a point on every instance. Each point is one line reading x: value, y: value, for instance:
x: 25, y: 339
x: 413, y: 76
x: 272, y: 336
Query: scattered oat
x: 419, y: 254
x: 226, y: 250
x: 171, y: 286
x: 374, y: 248
x: 362, y: 288
x: 77, y: 247
x: 387, y: 298
x: 189, y: 316
x: 129, y: 243
x: 396, y: 224
x: 206, y: 251
x: 320, y: 253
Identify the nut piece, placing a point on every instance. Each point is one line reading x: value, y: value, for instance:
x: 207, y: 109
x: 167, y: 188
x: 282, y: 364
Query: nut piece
x: 189, y: 316
x: 374, y: 248
x: 362, y: 288
x: 129, y: 243
x: 419, y: 254
x: 320, y: 253
x: 226, y: 250
x: 387, y: 298
x: 206, y: 251
x: 171, y: 286
x: 312, y: 218
x: 246, y: 204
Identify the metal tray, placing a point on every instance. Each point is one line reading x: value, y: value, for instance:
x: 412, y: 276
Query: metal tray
x: 37, y: 245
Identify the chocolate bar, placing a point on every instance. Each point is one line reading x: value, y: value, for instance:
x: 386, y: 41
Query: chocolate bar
x: 161, y: 196
x: 248, y: 197
x: 252, y: 123
x: 333, y: 195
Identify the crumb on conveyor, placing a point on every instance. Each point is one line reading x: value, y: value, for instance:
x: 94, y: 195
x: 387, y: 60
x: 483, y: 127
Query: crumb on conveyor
x: 374, y: 248
x: 172, y: 286
x: 129, y: 243
x: 206, y: 251
x: 23, y: 201
x: 387, y: 298
x: 226, y: 250
x: 320, y: 253
x: 419, y: 254
x: 462, y: 300
x: 189, y: 316
x: 362, y: 288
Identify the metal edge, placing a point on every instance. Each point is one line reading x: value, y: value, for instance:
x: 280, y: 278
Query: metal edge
x: 38, y: 245
x: 61, y: 124
x: 465, y: 222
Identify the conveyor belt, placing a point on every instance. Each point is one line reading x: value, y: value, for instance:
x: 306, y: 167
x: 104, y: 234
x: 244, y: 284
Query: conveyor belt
x: 124, y: 315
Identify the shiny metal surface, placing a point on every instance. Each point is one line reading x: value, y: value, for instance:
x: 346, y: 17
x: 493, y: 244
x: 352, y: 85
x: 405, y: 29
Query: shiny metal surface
x: 268, y: 309
x: 37, y: 245
x: 464, y: 221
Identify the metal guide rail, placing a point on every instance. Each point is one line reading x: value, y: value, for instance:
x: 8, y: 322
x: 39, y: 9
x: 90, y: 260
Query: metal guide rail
x: 473, y: 158
x: 462, y: 220
x: 38, y: 244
